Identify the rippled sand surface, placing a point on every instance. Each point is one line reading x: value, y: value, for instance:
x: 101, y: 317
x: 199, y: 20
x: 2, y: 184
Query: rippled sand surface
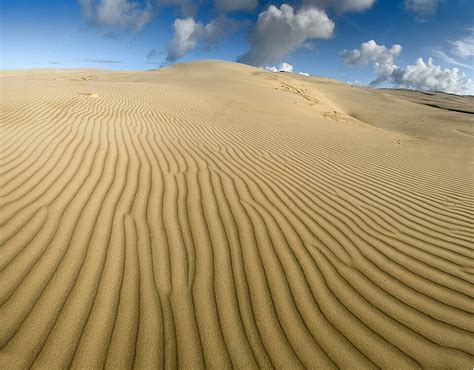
x: 210, y: 214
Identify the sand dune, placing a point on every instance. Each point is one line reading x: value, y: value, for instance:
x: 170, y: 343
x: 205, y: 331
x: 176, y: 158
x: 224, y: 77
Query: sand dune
x: 210, y: 214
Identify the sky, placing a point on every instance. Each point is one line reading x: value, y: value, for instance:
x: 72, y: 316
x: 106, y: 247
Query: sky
x: 419, y: 44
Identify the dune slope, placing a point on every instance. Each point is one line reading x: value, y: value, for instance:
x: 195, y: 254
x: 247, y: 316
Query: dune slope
x: 210, y: 214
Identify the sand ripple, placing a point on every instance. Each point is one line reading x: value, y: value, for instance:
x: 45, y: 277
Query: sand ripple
x: 201, y: 218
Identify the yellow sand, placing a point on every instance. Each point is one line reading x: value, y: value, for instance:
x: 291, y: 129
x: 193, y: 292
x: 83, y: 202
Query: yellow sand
x: 210, y: 214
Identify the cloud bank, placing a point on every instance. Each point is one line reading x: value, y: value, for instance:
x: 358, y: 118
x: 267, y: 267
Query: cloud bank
x: 431, y: 77
x: 282, y: 67
x: 279, y: 31
x: 422, y: 75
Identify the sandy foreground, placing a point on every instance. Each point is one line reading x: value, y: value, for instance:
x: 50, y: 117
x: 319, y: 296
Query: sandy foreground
x: 210, y: 214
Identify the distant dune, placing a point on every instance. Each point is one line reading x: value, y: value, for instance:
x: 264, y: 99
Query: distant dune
x: 211, y: 214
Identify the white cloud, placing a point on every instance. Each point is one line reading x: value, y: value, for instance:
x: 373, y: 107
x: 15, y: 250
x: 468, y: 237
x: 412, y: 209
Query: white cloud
x: 464, y: 47
x: 356, y: 83
x: 279, y: 31
x: 233, y: 5
x: 431, y: 77
x: 422, y: 8
x: 285, y: 67
x: 188, y: 34
x: 448, y: 59
x: 460, y: 51
x: 184, y: 38
x: 341, y: 5
x: 121, y: 13
x: 420, y: 76
x: 381, y: 57
x: 282, y: 67
x: 270, y: 69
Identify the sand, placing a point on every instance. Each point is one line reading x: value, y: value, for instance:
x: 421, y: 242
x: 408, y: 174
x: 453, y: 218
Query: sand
x: 211, y: 214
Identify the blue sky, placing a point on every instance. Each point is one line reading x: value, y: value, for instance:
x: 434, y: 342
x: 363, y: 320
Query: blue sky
x: 133, y: 34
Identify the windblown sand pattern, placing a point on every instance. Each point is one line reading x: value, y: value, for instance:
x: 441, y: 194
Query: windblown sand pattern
x: 213, y: 215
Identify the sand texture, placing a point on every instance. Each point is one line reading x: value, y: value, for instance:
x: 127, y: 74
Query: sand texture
x: 211, y: 214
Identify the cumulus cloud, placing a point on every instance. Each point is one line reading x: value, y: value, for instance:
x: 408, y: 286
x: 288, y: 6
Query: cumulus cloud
x: 121, y: 13
x: 341, y: 5
x: 431, y: 77
x: 234, y: 5
x: 282, y: 67
x: 422, y: 8
x: 279, y: 31
x: 285, y: 67
x: 270, y: 69
x: 188, y: 34
x: 422, y: 75
x: 381, y: 58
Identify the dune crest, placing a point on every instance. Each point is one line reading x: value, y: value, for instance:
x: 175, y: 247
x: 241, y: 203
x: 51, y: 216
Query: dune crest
x: 210, y: 214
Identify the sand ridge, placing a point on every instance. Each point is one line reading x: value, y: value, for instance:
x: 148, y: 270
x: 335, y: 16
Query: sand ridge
x: 210, y: 214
